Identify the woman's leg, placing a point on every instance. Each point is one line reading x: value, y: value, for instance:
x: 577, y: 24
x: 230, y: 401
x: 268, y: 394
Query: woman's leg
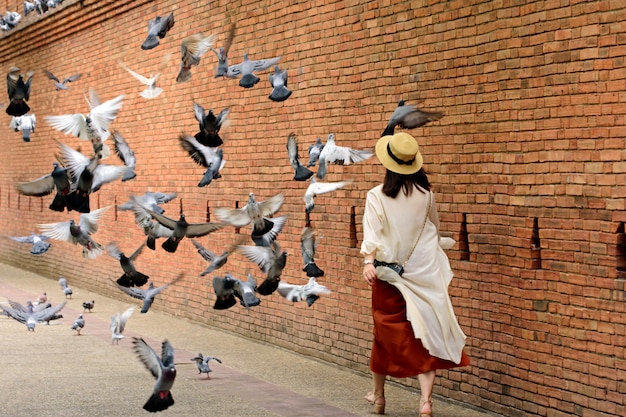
x: 426, y: 380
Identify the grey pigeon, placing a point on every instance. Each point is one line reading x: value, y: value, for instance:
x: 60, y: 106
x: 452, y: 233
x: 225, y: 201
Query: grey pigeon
x: 61, y: 85
x: 63, y: 282
x: 162, y: 369
x: 314, y: 152
x: 192, y: 48
x: 118, y: 323
x: 29, y: 316
x: 278, y: 81
x: 149, y: 201
x: 247, y: 67
x: 79, y: 233
x: 267, y: 238
x: 183, y: 229
x: 147, y: 295
x: 222, y: 53
x: 253, y: 212
x: 78, y: 324
x: 88, y: 305
x: 202, y: 363
x: 25, y: 123
x: 19, y: 92
x: 38, y: 242
x: 301, y: 172
x: 316, y: 188
x: 215, y: 261
x: 58, y: 179
x: 309, y: 292
x: 126, y: 154
x: 151, y: 228
x: 157, y: 28
x: 131, y: 277
x: 210, y: 158
x: 307, y: 247
x: 409, y: 117
x: 228, y: 289
x: 67, y: 291
x: 342, y: 155
x: 210, y: 125
x: 271, y: 260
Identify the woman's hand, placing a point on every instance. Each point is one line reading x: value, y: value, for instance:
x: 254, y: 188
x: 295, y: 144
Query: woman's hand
x: 369, y: 274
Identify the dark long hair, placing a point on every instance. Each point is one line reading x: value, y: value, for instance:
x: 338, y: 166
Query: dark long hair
x: 395, y: 182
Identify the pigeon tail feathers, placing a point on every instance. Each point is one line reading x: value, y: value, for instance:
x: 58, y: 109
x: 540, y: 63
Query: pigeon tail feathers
x: 159, y: 401
x: 312, y: 270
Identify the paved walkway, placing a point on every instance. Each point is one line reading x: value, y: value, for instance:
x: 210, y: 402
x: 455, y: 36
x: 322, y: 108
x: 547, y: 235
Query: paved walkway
x: 53, y: 372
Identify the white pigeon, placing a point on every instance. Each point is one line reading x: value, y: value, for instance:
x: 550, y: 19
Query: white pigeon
x: 316, y: 188
x: 309, y: 292
x: 333, y: 154
x: 118, y: 322
x: 152, y: 91
x: 25, y: 123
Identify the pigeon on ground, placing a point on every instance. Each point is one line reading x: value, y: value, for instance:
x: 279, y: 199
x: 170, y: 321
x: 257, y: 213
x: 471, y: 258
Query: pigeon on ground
x: 409, y: 117
x: 203, y: 364
x: 19, y: 92
x: 78, y: 324
x: 38, y: 242
x: 152, y: 91
x: 41, y: 299
x: 278, y: 81
x: 310, y: 292
x: 149, y: 201
x: 307, y: 247
x: 162, y: 369
x: 10, y: 20
x: 316, y: 188
x: 25, y: 123
x: 341, y: 155
x: 229, y: 288
x: 210, y: 158
x: 118, y: 323
x: 192, y: 48
x: 126, y: 155
x: 151, y: 228
x: 67, y: 291
x: 58, y: 179
x: 131, y: 277
x: 88, y: 305
x: 267, y: 238
x: 301, y: 172
x: 247, y: 67
x: 62, y: 282
x: 183, y: 229
x: 61, y: 85
x: 215, y: 261
x: 222, y: 53
x: 29, y: 316
x: 253, y: 212
x: 210, y: 125
x: 148, y: 294
x: 271, y: 260
x: 314, y: 152
x: 157, y: 28
x: 79, y: 233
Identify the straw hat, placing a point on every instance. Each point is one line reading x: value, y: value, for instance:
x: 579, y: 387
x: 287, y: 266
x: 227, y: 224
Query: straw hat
x: 399, y: 153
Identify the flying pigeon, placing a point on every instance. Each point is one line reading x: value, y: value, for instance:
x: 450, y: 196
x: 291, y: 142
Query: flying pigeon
x: 126, y: 155
x: 58, y: 179
x: 215, y: 261
x: 267, y: 238
x: 203, y: 364
x: 253, y: 212
x: 149, y: 201
x: 152, y: 91
x: 157, y: 28
x: 222, y: 53
x: 19, y: 92
x: 162, y: 369
x: 210, y: 158
x: 25, y: 123
x: 271, y: 260
x: 118, y: 323
x: 183, y: 229
x: 151, y: 227
x: 228, y: 288
x: 307, y: 247
x: 29, y: 316
x: 247, y: 67
x: 342, y: 155
x: 131, y: 276
x: 314, y: 152
x: 88, y: 305
x: 78, y: 324
x: 79, y: 233
x: 148, y: 294
x: 301, y: 172
x: 316, y: 188
x: 310, y: 292
x: 61, y: 85
x: 210, y: 125
x: 278, y: 81
x: 38, y: 242
x: 192, y: 48
x: 409, y: 117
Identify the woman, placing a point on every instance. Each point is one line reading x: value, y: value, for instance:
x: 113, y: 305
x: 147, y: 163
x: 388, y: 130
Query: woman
x: 415, y: 329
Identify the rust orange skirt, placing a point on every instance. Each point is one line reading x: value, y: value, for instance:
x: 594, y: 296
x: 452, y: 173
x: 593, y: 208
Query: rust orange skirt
x: 395, y: 351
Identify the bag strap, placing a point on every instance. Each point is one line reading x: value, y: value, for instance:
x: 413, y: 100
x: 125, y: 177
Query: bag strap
x: 420, y: 235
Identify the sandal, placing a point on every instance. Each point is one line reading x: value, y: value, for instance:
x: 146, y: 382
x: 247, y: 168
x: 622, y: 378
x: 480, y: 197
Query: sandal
x: 423, y: 402
x: 377, y: 400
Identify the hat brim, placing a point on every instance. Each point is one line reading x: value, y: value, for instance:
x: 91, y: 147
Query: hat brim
x: 385, y: 159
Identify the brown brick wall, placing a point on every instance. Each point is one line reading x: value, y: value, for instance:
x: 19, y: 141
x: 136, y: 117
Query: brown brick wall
x: 532, y: 146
